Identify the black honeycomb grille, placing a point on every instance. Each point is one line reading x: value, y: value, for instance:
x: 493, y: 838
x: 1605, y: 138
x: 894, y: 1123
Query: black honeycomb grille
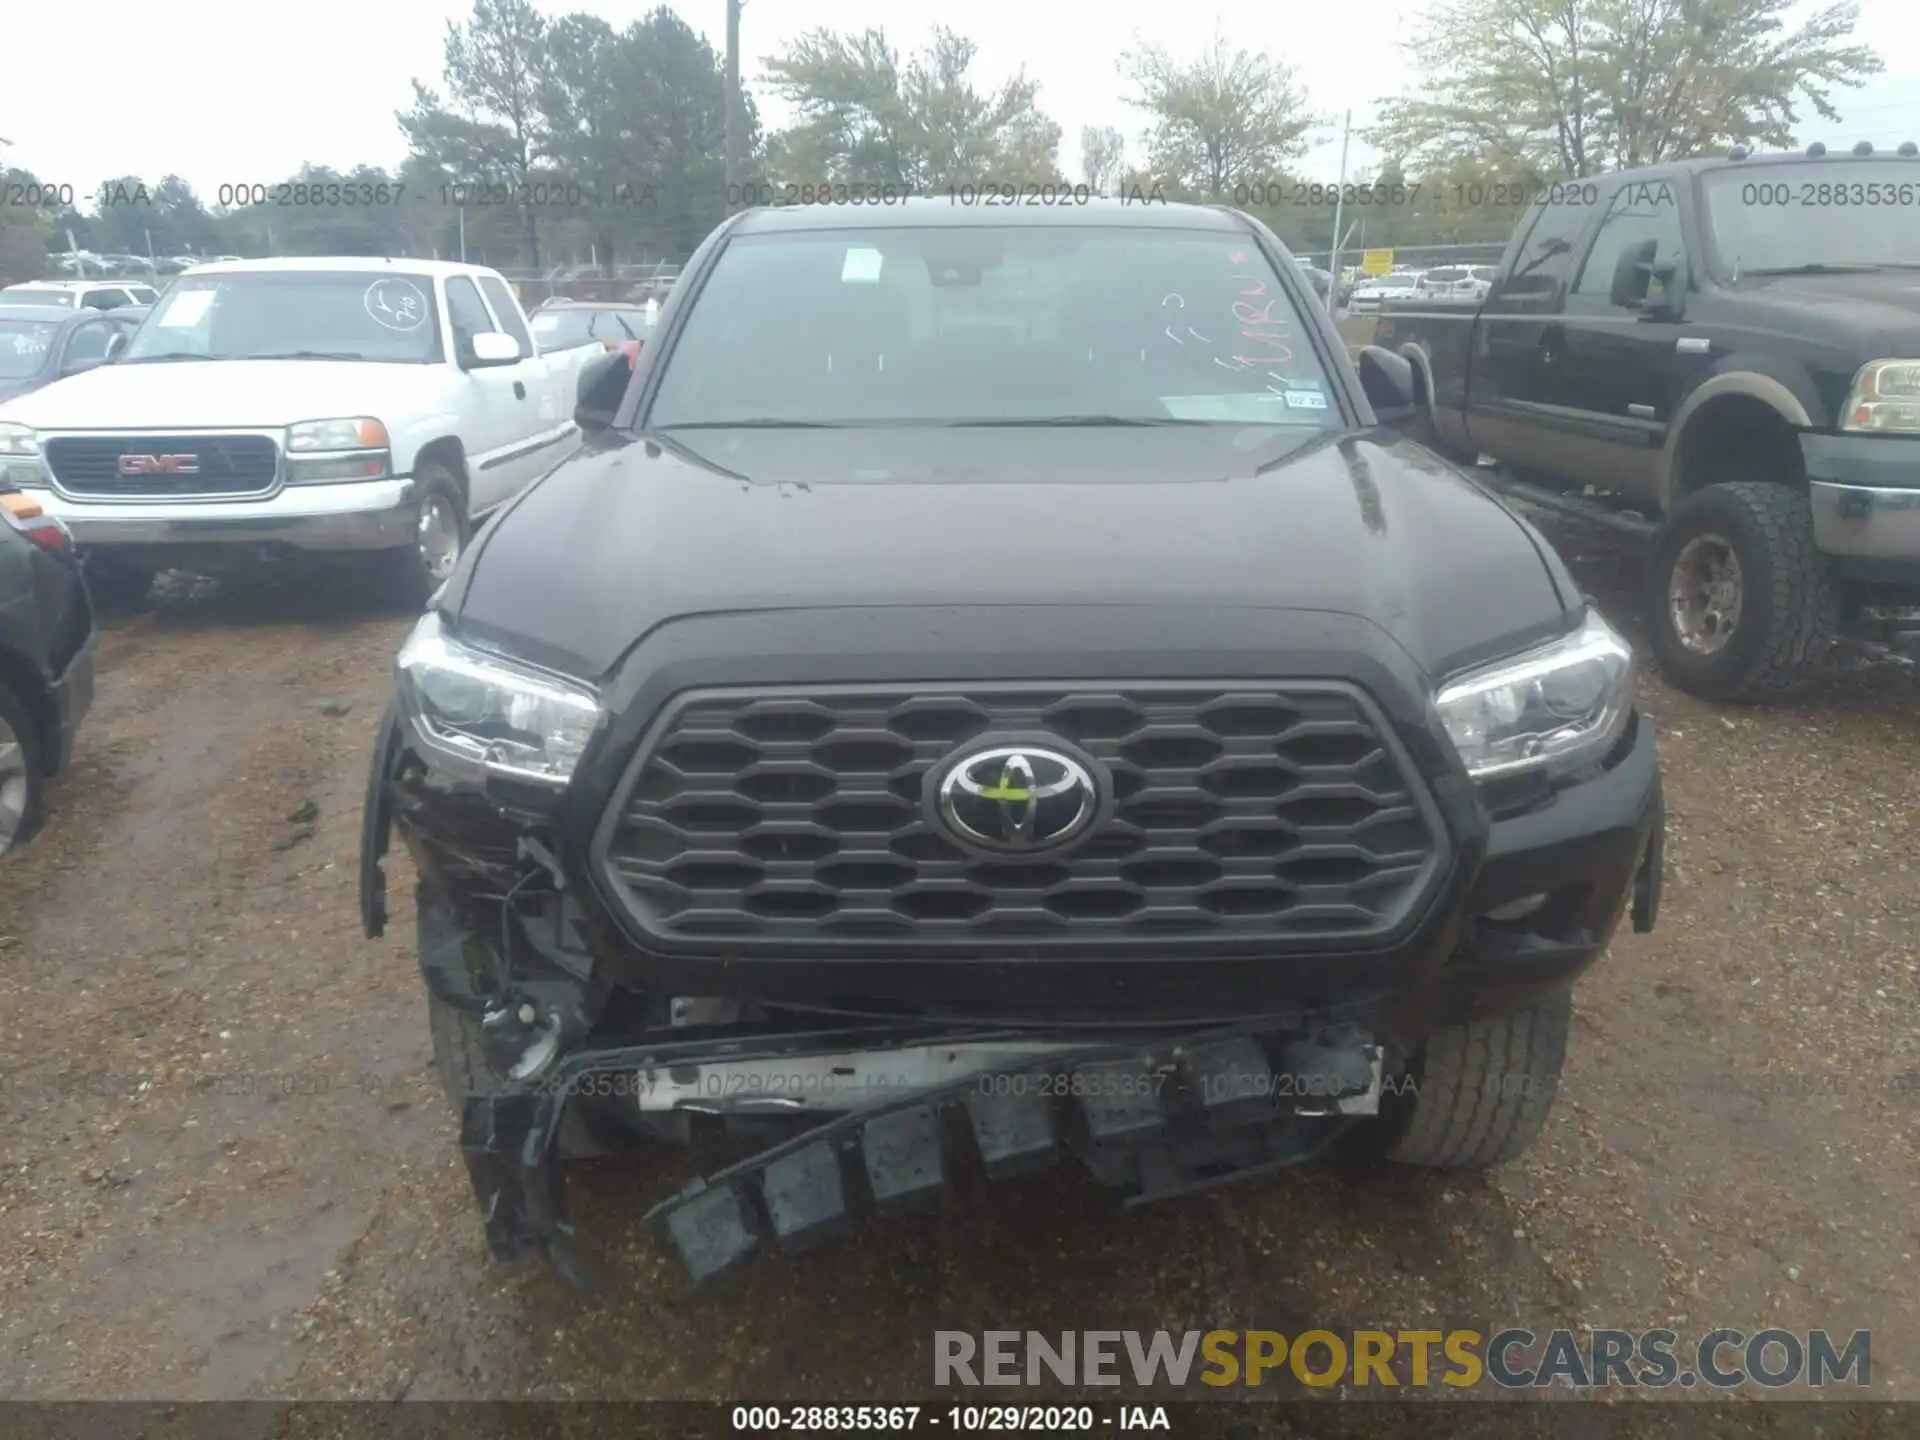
x: 1273, y: 812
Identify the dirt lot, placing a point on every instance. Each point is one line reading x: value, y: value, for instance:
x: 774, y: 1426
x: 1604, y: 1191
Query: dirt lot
x: 225, y: 1169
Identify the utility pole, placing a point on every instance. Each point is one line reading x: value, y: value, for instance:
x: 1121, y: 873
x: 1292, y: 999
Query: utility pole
x: 1339, y: 195
x: 736, y: 106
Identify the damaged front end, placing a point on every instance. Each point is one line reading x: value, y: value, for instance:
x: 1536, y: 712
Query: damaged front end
x: 733, y: 906
x: 878, y: 1115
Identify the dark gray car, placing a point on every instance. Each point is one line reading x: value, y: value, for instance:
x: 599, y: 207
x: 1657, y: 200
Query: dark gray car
x: 40, y: 344
x: 46, y: 658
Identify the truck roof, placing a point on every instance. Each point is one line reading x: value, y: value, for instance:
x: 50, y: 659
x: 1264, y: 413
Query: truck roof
x: 974, y: 206
x: 1740, y: 157
x: 369, y: 264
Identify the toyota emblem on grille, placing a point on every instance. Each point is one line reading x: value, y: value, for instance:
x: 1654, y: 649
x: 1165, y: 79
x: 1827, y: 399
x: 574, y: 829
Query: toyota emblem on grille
x: 159, y: 465
x: 1017, y: 798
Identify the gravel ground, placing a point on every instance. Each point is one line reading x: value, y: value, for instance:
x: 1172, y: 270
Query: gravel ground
x: 225, y: 1170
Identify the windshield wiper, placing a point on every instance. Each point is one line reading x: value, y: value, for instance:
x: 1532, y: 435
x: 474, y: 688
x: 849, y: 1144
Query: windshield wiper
x: 307, y: 355
x: 1816, y: 267
x: 759, y: 422
x: 162, y: 359
x: 1090, y: 421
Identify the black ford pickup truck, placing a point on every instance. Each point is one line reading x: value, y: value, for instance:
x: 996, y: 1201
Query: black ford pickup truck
x: 1721, y: 356
x: 990, y: 689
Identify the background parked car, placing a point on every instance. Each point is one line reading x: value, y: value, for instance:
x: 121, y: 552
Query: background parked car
x: 565, y: 324
x: 43, y: 343
x: 1456, y: 282
x: 79, y: 294
x: 1370, y: 294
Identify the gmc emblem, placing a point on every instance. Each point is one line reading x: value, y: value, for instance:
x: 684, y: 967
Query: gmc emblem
x: 159, y: 464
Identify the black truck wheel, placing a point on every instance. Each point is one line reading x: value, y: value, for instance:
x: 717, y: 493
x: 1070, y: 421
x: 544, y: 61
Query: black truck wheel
x: 23, y: 773
x: 116, y: 584
x: 1740, y: 603
x: 1477, y: 1095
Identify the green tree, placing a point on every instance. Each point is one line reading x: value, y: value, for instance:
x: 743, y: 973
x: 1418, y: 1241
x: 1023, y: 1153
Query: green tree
x: 1229, y: 117
x: 492, y: 127
x: 25, y: 232
x: 1576, y: 87
x: 865, y: 116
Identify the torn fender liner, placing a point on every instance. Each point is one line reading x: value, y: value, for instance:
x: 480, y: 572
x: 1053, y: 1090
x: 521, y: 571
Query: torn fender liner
x: 376, y: 828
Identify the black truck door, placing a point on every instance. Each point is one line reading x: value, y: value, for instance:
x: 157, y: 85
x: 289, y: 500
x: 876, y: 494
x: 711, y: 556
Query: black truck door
x: 1615, y: 380
x: 1514, y: 334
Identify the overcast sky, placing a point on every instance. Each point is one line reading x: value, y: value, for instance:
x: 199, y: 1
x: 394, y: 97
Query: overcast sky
x: 239, y: 93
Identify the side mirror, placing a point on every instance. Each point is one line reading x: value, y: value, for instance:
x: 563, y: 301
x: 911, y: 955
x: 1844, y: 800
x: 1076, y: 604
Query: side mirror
x: 490, y: 348
x: 1633, y: 276
x: 1387, y: 381
x: 601, y: 388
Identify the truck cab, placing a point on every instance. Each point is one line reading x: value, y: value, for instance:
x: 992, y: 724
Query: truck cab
x: 1722, y: 356
x: 310, y: 405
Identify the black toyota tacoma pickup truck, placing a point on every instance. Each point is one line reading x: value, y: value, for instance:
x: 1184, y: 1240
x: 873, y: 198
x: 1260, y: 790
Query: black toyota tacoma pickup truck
x: 990, y: 688
x: 1721, y: 357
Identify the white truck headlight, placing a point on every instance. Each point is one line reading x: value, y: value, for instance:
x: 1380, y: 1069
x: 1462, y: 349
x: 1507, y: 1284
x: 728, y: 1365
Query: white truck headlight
x: 355, y: 448
x: 21, y: 467
x: 1554, y: 708
x: 492, y: 714
x: 1885, y: 397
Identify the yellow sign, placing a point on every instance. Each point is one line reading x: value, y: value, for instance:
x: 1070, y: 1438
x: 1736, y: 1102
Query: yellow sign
x: 1376, y: 262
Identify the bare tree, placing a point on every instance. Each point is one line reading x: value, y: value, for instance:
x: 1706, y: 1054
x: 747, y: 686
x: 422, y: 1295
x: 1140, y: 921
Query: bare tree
x: 1103, y: 156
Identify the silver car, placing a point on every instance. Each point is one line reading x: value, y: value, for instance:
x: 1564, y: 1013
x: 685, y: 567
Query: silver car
x: 1372, y: 293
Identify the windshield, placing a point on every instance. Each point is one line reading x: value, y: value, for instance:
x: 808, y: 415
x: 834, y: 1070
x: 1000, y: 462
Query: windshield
x: 24, y: 345
x: 994, y: 325
x: 292, y: 314
x: 1840, y: 213
x: 62, y: 298
x: 1393, y: 282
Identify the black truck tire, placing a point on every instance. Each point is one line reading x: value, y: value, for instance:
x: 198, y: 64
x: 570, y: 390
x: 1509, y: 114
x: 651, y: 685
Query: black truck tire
x: 1789, y: 605
x: 458, y: 1057
x: 116, y: 584
x: 1477, y: 1095
x: 24, y: 777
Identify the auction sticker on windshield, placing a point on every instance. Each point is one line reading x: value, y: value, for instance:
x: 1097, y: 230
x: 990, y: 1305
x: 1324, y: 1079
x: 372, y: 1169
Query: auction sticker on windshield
x: 187, y: 308
x: 862, y: 267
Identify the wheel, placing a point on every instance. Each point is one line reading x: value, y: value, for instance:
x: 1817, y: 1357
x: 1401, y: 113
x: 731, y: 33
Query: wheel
x: 419, y: 569
x: 1477, y: 1095
x: 23, y: 775
x: 1740, y: 603
x: 117, y: 584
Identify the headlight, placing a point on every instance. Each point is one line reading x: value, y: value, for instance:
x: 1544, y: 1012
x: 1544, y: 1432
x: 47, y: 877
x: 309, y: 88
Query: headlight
x: 20, y: 464
x: 1553, y: 708
x: 1885, y: 397
x: 350, y: 449
x: 501, y: 717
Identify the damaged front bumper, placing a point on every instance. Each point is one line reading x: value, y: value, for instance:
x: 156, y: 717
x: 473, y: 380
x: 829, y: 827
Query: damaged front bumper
x: 1152, y: 1119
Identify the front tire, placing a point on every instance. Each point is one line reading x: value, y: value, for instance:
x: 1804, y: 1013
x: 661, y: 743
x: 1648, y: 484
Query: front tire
x: 117, y: 584
x: 1740, y: 603
x: 1478, y: 1095
x: 440, y: 538
x: 23, y: 774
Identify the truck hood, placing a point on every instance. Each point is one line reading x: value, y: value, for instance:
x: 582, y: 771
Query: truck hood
x: 186, y: 394
x: 1878, y: 308
x: 631, y: 534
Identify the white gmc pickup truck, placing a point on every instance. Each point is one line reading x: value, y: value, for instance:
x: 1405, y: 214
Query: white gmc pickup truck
x: 318, y: 405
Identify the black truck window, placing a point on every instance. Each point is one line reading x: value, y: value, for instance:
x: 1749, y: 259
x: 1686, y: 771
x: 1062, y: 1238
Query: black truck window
x: 1540, y: 269
x: 1643, y: 219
